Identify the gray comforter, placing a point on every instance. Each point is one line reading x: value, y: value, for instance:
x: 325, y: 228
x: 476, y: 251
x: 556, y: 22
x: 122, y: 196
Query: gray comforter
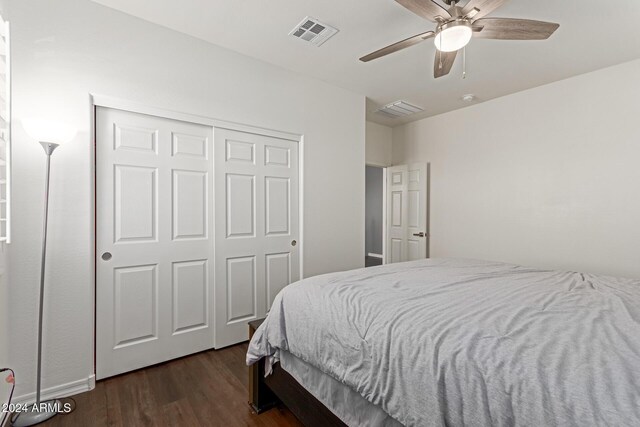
x: 459, y: 342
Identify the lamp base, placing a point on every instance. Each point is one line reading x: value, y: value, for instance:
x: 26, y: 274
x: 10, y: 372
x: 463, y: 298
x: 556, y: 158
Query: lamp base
x: 48, y: 409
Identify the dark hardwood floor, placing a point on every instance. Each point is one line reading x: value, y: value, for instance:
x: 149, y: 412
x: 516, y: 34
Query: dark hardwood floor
x: 206, y: 389
x: 370, y: 261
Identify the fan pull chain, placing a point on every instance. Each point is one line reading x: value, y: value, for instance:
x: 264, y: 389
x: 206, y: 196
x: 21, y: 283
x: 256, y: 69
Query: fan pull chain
x: 440, y: 53
x: 464, y: 62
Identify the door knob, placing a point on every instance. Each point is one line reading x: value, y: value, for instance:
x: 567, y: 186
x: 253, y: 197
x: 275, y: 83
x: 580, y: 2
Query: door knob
x: 293, y: 243
x: 420, y: 234
x: 106, y: 256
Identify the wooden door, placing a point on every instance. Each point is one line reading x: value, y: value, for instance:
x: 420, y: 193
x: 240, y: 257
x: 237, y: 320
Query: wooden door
x: 257, y: 251
x: 154, y: 240
x: 406, y: 213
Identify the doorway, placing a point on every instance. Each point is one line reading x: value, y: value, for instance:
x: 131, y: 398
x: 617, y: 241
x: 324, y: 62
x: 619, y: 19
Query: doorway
x: 374, y: 216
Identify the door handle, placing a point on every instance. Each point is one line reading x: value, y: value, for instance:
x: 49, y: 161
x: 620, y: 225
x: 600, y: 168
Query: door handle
x: 293, y: 243
x: 420, y: 234
x: 106, y: 256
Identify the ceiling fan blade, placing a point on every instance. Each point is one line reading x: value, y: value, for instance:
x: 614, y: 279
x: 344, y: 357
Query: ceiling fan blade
x: 513, y: 29
x: 444, y: 63
x: 477, y: 9
x: 427, y: 9
x: 398, y: 46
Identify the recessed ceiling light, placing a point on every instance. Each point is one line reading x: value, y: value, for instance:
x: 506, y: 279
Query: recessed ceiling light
x: 469, y: 97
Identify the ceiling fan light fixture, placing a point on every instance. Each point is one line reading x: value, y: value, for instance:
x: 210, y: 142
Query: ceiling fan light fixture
x: 453, y: 36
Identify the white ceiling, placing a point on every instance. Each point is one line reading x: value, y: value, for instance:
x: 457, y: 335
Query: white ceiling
x: 593, y: 34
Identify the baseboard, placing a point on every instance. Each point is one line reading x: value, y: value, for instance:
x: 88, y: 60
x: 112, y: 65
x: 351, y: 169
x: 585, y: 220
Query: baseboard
x: 372, y: 255
x: 62, y: 390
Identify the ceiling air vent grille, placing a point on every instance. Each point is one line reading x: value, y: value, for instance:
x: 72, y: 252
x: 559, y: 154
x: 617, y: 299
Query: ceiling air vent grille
x: 313, y: 31
x: 399, y: 109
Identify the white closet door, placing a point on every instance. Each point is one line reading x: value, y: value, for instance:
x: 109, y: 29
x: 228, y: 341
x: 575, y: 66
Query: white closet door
x: 154, y: 243
x: 406, y: 213
x: 257, y: 254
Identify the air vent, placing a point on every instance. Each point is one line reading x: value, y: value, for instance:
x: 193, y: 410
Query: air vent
x: 313, y: 31
x: 399, y: 109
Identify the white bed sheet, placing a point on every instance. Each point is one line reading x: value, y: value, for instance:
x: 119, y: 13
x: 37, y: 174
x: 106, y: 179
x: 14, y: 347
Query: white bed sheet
x: 346, y: 403
x: 463, y: 342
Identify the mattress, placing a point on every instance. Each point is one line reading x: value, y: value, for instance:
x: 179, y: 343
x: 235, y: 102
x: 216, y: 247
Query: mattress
x: 344, y: 402
x: 462, y: 342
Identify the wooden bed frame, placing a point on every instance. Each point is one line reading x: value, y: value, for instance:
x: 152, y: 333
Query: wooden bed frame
x: 281, y: 387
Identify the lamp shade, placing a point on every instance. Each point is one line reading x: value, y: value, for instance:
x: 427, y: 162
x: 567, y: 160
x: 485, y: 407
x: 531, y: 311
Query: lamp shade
x: 45, y: 130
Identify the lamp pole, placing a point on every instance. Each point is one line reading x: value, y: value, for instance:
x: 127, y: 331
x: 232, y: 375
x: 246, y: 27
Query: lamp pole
x: 49, y: 147
x: 39, y: 414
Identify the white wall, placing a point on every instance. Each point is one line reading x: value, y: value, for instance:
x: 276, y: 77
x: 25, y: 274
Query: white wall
x: 547, y: 177
x: 65, y: 49
x: 4, y: 291
x: 378, y: 144
x: 4, y: 312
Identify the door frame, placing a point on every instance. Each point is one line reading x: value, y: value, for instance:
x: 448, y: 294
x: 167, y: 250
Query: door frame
x: 98, y: 100
x: 384, y: 206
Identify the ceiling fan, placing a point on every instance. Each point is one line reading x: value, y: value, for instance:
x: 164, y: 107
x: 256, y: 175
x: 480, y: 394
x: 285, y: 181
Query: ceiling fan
x: 457, y: 25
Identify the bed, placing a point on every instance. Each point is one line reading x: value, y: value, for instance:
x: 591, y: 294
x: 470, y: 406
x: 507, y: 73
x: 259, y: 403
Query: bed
x: 459, y: 342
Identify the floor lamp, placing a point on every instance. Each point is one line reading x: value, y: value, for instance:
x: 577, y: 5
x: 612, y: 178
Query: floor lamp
x: 58, y: 133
